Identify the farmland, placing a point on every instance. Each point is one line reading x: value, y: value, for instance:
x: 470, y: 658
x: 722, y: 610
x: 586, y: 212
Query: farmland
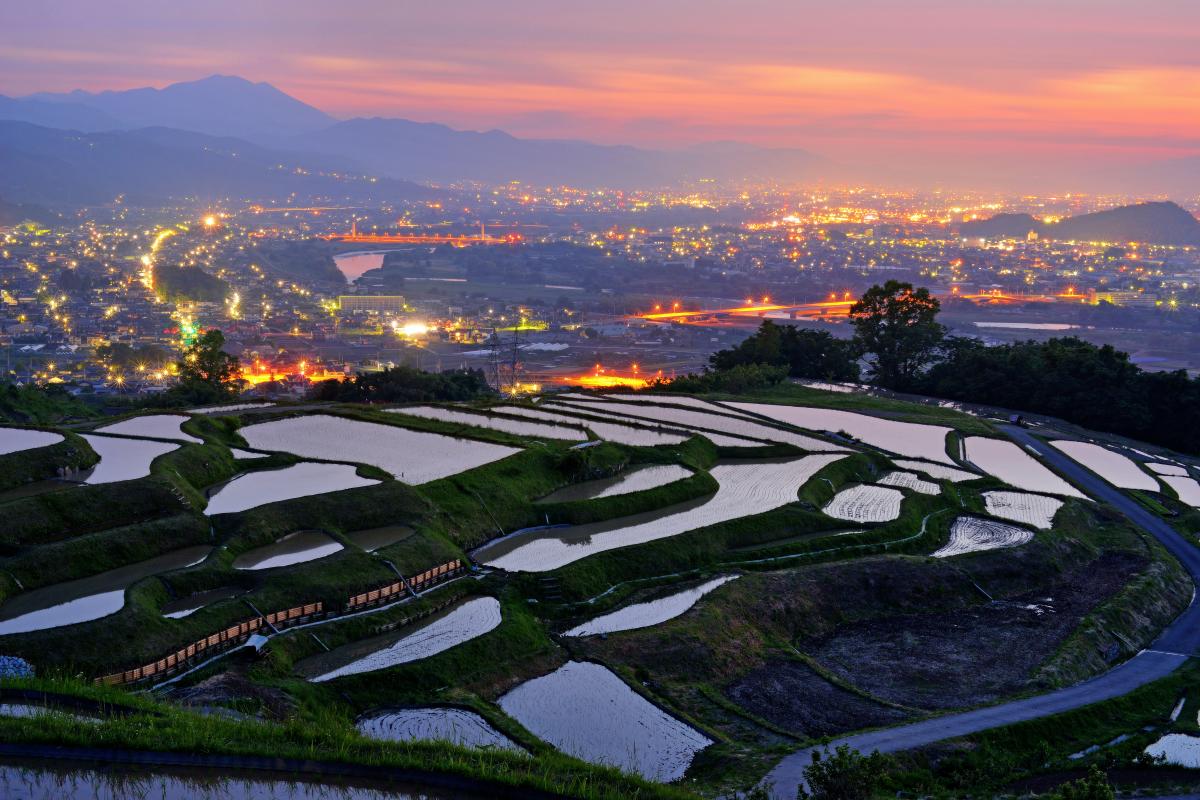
x: 735, y: 577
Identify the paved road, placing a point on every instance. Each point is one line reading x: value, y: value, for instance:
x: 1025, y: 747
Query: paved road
x: 1172, y: 648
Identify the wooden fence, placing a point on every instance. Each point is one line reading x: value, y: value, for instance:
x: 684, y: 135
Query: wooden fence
x: 240, y: 632
x: 213, y: 644
x: 427, y: 579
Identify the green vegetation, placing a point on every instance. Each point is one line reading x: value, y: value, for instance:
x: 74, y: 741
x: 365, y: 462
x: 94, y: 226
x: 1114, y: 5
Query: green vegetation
x: 39, y: 405
x: 188, y: 284
x: 404, y: 385
x: 804, y: 353
x: 895, y: 327
x: 17, y: 469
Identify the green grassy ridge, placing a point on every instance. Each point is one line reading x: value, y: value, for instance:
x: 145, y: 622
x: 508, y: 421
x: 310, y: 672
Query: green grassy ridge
x: 330, y: 740
x: 854, y: 468
x: 85, y: 509
x: 579, y: 512
x: 93, y: 553
x: 193, y: 467
x: 40, y: 463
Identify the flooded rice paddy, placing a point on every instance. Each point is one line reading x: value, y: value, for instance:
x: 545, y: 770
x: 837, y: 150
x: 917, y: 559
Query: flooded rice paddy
x: 14, y: 440
x: 608, y: 431
x: 411, y: 456
x: 89, y: 598
x: 939, y: 471
x: 294, y: 548
x: 864, y: 503
x: 710, y: 421
x: 1014, y: 466
x: 123, y: 459
x: 636, y: 479
x: 455, y: 725
x: 239, y: 453
x: 597, y: 409
x: 186, y: 606
x: 516, y: 427
x: 903, y: 438
x: 152, y: 426
x: 1187, y: 489
x: 373, y: 539
x: 586, y: 711
x: 1032, y: 509
x: 1167, y: 469
x: 653, y: 612
x: 745, y: 488
x: 973, y: 534
x: 253, y: 489
x: 1112, y: 467
x: 229, y: 409
x: 1179, y: 749
x: 910, y: 480
x: 438, y: 633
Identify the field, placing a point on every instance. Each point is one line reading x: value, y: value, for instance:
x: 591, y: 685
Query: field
x: 673, y: 602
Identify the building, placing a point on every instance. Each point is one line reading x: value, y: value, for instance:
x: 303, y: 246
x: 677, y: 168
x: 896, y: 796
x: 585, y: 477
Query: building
x: 371, y: 304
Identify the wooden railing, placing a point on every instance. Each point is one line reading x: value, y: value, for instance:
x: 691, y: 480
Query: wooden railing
x: 238, y: 633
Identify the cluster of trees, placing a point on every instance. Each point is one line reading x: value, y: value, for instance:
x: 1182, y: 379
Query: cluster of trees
x: 188, y: 283
x: 903, y: 347
x: 38, y: 404
x: 404, y: 384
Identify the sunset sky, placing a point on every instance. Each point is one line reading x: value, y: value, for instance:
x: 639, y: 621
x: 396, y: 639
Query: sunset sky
x: 1116, y: 80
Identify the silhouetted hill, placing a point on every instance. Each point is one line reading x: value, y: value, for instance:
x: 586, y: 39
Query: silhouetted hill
x: 218, y: 105
x: 430, y: 152
x: 1157, y: 223
x: 67, y: 168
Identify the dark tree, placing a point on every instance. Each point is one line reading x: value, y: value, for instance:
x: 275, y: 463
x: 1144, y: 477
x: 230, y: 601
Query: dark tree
x: 206, y: 372
x: 805, y: 353
x: 404, y: 384
x: 896, y: 326
x: 844, y: 774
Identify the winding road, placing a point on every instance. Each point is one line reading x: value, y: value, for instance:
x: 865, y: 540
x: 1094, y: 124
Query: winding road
x: 1178, y: 642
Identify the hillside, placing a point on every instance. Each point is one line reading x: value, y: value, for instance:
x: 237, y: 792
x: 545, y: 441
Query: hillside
x: 1155, y: 223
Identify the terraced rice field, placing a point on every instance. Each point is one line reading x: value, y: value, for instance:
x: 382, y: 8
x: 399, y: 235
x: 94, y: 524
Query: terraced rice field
x: 463, y: 623
x: 595, y: 409
x: 864, y: 503
x: 152, y: 426
x: 1113, y: 467
x: 1167, y: 469
x: 745, y: 488
x: 88, y: 598
x: 939, y: 471
x: 1032, y: 509
x: 515, y: 427
x: 586, y: 711
x: 229, y: 409
x: 608, y: 431
x: 254, y: 489
x: 186, y: 606
x: 903, y: 438
x: 1187, y: 489
x: 637, y: 479
x: 123, y: 459
x: 1177, y: 749
x: 239, y: 453
x: 294, y: 548
x: 374, y: 539
x: 654, y: 612
x: 702, y: 421
x: 14, y: 440
x: 666, y: 399
x: 411, y: 456
x: 972, y: 534
x: 1014, y: 466
x: 455, y: 725
x: 909, y: 480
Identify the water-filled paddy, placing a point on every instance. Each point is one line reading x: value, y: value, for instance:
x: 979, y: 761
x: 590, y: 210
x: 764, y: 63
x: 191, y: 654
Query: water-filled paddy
x: 903, y: 438
x: 1179, y: 749
x: 123, y: 459
x: 1014, y: 466
x: 608, y: 431
x: 910, y: 480
x: 89, y: 598
x: 745, y: 488
x: 434, y: 635
x: 972, y: 534
x: 411, y: 456
x: 1167, y: 469
x: 636, y: 479
x: 1187, y: 489
x: 455, y: 725
x: 513, y: 426
x: 294, y: 548
x: 1113, y: 467
x: 615, y: 413
x: 1032, y: 509
x: 229, y: 409
x: 152, y: 426
x: 13, y: 440
x: 588, y: 712
x: 373, y: 539
x: 653, y: 612
x: 186, y: 606
x: 864, y: 503
x: 270, y: 486
x: 939, y: 471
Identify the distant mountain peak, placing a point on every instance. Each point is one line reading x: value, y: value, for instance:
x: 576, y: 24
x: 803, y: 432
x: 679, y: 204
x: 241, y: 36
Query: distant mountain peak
x: 1156, y: 222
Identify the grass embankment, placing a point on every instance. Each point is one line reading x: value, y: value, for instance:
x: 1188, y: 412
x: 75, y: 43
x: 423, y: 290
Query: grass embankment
x: 326, y: 737
x: 40, y: 463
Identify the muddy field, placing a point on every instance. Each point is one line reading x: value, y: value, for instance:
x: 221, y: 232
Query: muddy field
x: 972, y: 655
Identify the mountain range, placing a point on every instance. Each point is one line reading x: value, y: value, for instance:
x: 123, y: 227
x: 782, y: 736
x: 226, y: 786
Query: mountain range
x: 1158, y: 223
